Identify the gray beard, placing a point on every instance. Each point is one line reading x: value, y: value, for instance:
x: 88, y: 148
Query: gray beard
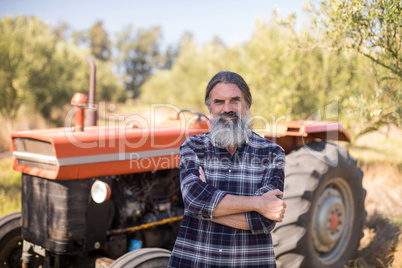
x: 228, y: 133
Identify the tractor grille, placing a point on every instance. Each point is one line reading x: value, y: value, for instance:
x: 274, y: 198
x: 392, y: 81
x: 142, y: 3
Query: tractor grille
x: 54, y: 213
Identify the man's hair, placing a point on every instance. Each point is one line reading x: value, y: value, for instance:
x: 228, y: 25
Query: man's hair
x: 227, y: 77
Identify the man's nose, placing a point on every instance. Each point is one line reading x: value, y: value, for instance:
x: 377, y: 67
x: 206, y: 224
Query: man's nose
x: 227, y: 107
x: 231, y: 107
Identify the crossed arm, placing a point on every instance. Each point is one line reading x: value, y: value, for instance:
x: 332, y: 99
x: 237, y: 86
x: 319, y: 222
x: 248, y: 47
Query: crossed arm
x: 231, y: 210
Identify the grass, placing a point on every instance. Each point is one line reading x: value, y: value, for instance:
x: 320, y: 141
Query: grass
x: 384, y: 145
x: 10, y: 187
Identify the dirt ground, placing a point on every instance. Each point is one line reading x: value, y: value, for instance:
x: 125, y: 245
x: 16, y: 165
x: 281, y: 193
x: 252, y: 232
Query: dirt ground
x: 381, y: 245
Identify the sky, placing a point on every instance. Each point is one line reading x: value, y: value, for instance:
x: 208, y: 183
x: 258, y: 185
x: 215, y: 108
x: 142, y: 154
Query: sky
x: 232, y: 20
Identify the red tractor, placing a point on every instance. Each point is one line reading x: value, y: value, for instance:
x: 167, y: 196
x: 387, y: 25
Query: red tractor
x: 97, y: 196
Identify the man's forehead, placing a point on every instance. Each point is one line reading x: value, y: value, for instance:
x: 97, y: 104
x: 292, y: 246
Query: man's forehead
x: 224, y: 91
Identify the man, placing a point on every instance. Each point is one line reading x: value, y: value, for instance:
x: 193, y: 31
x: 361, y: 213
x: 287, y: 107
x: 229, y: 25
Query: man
x: 231, y: 181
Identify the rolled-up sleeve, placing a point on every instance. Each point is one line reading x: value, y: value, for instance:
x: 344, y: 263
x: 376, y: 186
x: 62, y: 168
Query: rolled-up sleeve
x: 200, y: 199
x: 273, y: 179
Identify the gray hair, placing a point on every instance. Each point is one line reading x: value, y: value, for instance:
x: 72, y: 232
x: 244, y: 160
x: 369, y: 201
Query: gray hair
x: 227, y: 77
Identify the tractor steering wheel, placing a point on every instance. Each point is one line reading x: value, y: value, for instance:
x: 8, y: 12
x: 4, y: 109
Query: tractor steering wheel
x: 194, y: 112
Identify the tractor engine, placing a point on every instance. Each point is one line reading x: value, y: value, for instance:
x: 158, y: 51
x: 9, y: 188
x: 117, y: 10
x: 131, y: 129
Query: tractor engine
x: 146, y: 197
x: 144, y: 200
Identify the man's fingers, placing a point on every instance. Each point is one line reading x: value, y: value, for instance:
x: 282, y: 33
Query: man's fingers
x: 277, y: 192
x: 202, y: 174
x: 280, y: 217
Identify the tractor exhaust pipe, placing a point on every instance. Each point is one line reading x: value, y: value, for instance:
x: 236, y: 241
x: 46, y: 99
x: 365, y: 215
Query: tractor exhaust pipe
x: 91, y: 112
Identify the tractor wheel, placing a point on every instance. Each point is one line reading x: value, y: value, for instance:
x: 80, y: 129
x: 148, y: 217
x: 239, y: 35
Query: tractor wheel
x: 10, y: 240
x: 143, y: 258
x: 325, y: 211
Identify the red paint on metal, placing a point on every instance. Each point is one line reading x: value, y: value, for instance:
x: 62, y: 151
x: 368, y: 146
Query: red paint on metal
x: 79, y: 100
x: 334, y: 220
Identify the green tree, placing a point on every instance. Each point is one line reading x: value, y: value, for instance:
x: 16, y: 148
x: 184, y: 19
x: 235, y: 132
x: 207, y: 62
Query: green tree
x: 79, y: 37
x: 139, y: 56
x: 61, y: 31
x: 99, y: 42
x: 26, y: 49
x: 184, y: 85
x: 173, y: 51
x: 292, y: 75
x: 42, y: 74
x: 373, y: 30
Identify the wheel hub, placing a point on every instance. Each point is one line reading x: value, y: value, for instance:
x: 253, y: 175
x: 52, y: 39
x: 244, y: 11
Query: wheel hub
x: 329, y: 220
x: 334, y: 220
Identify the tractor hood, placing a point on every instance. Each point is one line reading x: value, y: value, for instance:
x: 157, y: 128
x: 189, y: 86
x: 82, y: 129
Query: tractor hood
x: 62, y: 153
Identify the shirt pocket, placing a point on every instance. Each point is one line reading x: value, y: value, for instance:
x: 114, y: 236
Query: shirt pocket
x: 256, y: 179
x: 213, y: 175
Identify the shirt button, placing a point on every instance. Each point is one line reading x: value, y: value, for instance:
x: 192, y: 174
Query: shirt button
x: 265, y: 231
x: 229, y: 170
x: 220, y: 250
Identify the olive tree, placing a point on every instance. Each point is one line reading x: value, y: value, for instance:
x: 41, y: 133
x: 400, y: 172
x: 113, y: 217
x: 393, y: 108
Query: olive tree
x: 372, y: 29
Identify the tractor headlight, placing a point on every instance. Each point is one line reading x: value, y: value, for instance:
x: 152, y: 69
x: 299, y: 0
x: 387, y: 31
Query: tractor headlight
x: 100, y: 191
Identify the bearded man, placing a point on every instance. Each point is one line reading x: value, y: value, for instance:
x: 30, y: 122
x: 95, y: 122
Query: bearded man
x: 231, y: 181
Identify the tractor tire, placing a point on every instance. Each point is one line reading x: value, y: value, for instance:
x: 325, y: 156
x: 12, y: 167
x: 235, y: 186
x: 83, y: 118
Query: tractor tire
x: 325, y: 211
x: 10, y: 240
x: 143, y: 258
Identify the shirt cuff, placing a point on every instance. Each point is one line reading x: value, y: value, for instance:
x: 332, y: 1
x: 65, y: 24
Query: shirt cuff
x: 258, y: 224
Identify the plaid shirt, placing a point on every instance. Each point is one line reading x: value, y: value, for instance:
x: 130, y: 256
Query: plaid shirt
x: 255, y: 168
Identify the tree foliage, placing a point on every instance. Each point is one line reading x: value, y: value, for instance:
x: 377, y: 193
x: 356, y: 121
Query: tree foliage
x: 140, y: 56
x: 348, y: 62
x: 26, y: 48
x: 185, y: 83
x: 288, y: 81
x: 41, y: 73
x: 99, y: 42
x: 284, y: 82
x: 61, y: 30
x: 372, y: 29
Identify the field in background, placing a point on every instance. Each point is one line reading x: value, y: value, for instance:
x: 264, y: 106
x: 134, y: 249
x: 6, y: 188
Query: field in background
x: 381, y: 245
x: 10, y: 187
x: 380, y: 154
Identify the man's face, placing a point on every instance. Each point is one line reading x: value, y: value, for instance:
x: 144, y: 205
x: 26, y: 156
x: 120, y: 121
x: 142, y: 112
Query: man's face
x: 230, y: 117
x: 226, y: 98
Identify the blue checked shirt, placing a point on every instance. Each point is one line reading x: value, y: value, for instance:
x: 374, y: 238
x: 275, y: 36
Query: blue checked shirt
x: 255, y: 168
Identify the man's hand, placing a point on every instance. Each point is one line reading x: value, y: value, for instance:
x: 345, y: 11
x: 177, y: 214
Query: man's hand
x: 271, y: 207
